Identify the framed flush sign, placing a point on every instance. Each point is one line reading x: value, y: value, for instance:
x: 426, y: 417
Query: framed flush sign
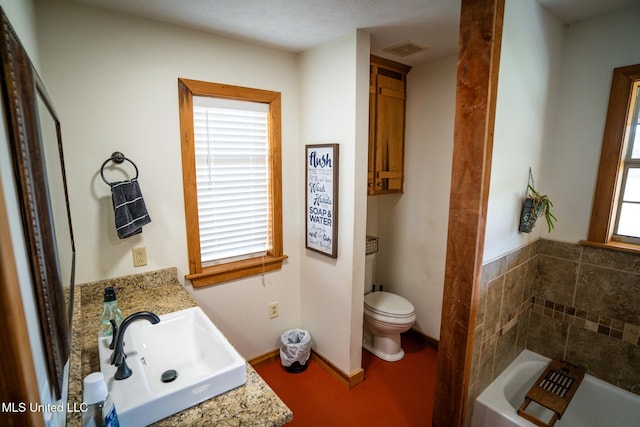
x: 321, y: 229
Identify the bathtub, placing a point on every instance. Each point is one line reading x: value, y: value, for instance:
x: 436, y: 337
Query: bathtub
x: 595, y: 404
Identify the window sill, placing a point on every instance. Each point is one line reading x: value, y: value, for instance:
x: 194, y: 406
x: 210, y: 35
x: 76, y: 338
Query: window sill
x: 235, y: 270
x: 615, y: 246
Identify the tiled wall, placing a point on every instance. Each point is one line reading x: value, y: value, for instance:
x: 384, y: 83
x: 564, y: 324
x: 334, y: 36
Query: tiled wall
x: 506, y: 292
x: 564, y: 301
x: 586, y: 309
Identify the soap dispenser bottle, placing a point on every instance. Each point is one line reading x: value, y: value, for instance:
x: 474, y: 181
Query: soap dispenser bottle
x: 110, y: 311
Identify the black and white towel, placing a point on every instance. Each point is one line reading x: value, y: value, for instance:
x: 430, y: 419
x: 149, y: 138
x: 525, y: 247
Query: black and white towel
x: 129, y: 208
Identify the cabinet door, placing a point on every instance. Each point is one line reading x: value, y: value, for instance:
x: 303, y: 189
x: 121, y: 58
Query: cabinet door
x: 389, y: 139
x: 372, y: 134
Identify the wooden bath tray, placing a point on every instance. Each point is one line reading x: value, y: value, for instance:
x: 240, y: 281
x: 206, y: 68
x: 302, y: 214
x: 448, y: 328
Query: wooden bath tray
x: 553, y: 390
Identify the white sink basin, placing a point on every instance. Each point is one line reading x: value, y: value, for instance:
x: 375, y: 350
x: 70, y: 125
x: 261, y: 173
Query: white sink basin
x: 185, y: 341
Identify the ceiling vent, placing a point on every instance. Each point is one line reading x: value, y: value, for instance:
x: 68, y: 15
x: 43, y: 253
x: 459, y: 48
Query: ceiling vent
x: 405, y: 49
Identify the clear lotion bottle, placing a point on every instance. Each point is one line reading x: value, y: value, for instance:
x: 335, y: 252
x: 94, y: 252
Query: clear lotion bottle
x: 110, y: 311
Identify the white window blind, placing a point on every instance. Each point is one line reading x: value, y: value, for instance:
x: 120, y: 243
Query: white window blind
x: 232, y: 178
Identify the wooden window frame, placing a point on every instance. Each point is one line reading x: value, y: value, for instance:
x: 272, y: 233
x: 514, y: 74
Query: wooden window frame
x: 210, y: 275
x: 607, y: 191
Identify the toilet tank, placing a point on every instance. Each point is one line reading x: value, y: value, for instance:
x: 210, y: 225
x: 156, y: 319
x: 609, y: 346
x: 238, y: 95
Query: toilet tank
x: 370, y: 263
x: 369, y: 272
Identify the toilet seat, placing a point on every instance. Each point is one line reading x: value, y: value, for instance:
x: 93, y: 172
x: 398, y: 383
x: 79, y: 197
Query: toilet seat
x: 388, y: 305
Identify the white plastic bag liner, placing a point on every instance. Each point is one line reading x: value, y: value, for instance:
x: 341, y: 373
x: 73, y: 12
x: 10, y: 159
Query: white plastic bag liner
x: 295, y: 347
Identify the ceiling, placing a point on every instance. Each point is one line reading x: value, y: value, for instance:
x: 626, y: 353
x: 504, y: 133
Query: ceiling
x: 297, y: 25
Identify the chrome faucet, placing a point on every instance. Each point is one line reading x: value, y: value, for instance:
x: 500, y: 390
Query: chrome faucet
x: 118, y: 356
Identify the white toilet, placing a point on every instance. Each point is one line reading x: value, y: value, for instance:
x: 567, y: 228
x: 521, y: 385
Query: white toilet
x: 386, y: 316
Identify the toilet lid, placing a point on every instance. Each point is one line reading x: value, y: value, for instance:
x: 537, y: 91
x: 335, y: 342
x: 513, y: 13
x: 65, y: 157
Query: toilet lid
x: 388, y: 304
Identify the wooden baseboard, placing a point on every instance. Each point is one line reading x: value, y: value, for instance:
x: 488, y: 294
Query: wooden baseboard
x: 431, y: 342
x: 271, y: 356
x: 348, y: 381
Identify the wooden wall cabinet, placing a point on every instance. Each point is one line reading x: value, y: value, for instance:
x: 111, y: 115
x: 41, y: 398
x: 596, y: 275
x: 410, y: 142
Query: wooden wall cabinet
x: 387, y: 94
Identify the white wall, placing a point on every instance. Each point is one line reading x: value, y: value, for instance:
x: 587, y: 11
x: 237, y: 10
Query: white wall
x: 22, y: 17
x: 555, y: 121
x: 592, y: 49
x: 529, y: 67
x: 113, y: 80
x: 360, y: 165
x: 21, y: 14
x: 334, y: 101
x: 412, y: 227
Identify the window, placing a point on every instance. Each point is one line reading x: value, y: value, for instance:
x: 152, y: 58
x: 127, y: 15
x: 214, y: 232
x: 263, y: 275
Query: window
x: 627, y: 228
x: 231, y: 167
x: 615, y: 217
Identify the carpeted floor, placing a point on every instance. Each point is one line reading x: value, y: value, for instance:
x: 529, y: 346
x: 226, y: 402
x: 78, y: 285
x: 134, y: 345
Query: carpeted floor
x: 393, y: 394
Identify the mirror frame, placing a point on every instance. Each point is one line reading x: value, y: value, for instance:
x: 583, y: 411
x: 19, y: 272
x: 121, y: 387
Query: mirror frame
x: 21, y: 86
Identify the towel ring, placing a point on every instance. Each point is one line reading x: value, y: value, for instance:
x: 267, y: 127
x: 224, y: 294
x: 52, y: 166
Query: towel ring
x: 117, y: 157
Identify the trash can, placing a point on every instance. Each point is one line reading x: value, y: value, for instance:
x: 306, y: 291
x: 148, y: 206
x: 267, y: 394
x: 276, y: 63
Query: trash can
x: 295, y: 349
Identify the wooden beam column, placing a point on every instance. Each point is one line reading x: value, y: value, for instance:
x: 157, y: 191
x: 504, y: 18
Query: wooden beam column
x: 18, y: 382
x: 476, y: 90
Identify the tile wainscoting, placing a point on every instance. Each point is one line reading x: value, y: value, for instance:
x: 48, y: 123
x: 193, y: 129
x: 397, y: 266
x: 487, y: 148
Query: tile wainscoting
x: 504, y: 304
x: 595, y: 319
x: 564, y: 301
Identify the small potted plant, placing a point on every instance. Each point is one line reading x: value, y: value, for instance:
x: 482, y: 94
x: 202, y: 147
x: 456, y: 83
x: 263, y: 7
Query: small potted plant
x: 533, y: 207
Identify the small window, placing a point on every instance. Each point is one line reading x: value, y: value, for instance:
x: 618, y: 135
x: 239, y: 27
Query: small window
x: 232, y: 180
x: 627, y: 227
x: 615, y: 217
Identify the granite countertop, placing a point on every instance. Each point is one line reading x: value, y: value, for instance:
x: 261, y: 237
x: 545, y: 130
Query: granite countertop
x: 253, y: 404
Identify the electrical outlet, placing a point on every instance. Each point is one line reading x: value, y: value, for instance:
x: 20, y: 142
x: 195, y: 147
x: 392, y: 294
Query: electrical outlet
x: 139, y: 256
x: 274, y: 310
